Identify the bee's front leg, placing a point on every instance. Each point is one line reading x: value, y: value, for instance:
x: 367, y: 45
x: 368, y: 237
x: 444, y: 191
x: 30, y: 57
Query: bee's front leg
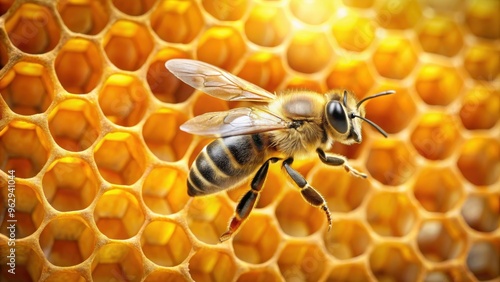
x: 337, y: 160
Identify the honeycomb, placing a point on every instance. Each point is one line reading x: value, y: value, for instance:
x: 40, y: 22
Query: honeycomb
x: 92, y: 153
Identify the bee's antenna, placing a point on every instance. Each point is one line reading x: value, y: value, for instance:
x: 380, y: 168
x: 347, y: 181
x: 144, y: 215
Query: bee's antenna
x: 371, y: 123
x: 374, y: 96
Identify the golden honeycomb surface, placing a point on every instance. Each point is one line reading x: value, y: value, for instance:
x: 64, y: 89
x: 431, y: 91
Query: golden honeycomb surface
x: 90, y: 129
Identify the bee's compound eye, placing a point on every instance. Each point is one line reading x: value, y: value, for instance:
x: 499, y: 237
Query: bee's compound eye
x: 336, y: 116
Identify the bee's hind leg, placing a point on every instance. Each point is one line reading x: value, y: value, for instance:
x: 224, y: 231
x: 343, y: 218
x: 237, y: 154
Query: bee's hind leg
x: 248, y: 201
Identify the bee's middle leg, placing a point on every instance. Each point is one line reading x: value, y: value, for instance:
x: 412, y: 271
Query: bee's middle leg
x: 248, y: 201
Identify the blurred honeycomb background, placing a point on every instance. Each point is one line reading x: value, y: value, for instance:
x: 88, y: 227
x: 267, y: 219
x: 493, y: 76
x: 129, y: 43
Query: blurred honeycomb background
x: 90, y: 124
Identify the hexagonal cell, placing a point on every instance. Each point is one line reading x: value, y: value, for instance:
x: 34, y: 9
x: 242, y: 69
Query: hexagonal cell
x: 177, y: 21
x: 438, y: 189
x: 483, y: 259
x: 482, y: 212
x: 480, y: 108
x: 118, y: 214
x: 208, y: 217
x: 28, y: 263
x: 27, y: 88
x: 118, y: 261
x: 394, y: 262
x: 74, y: 124
x: 483, y: 18
x: 163, y: 137
x: 165, y: 243
x: 347, y: 239
x: 297, y: 218
x: 164, y: 190
x: 70, y: 184
x: 399, y: 15
x: 87, y: 17
x: 436, y: 136
x: 390, y: 162
x: 123, y: 99
x: 33, y: 28
x: 301, y: 261
x: 133, y: 8
x: 441, y: 240
x: 309, y: 51
x: 479, y: 160
x: 267, y: 25
x: 67, y: 241
x: 165, y: 275
x: 24, y: 148
x: 212, y: 265
x: 438, y: 85
x: 29, y: 210
x: 358, y: 3
x: 264, y: 70
x: 260, y: 274
x: 225, y: 10
x: 128, y: 44
x: 206, y: 103
x: 391, y: 214
x: 482, y: 62
x: 258, y: 239
x: 447, y: 274
x: 394, y: 57
x: 221, y: 46
x: 349, y: 273
x: 120, y: 157
x: 354, y: 33
x: 5, y: 6
x: 65, y: 275
x: 314, y: 12
x: 440, y: 35
x: 350, y: 74
x: 78, y: 66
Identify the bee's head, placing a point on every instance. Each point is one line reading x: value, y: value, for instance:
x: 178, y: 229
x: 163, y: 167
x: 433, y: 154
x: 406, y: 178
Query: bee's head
x: 344, y: 115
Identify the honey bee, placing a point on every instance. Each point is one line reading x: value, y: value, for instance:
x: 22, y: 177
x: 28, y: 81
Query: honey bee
x: 293, y: 124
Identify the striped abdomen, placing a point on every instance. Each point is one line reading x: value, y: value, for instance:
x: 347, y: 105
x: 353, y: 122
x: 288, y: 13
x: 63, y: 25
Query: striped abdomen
x: 226, y: 162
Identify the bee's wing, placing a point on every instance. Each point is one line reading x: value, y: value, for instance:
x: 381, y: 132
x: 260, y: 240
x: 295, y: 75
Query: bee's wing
x: 216, y: 82
x: 237, y: 121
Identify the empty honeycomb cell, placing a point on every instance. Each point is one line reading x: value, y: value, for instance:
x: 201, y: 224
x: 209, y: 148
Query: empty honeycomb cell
x: 118, y: 214
x: 394, y: 262
x: 391, y: 214
x: 212, y: 265
x: 74, y: 124
x: 87, y: 17
x: 349, y: 273
x: 208, y: 218
x: 225, y: 10
x: 27, y: 88
x: 479, y: 160
x: 65, y: 275
x: 448, y: 274
x: 134, y: 8
x: 436, y: 136
x: 264, y: 70
x: 260, y: 275
x: 441, y: 240
x: 314, y: 12
x: 300, y: 261
x: 399, y: 14
x: 164, y: 85
x: 29, y: 213
x: 482, y: 212
x: 438, y: 189
x: 298, y: 218
x: 438, y: 85
x: 163, y: 137
x: 177, y: 21
x: 24, y: 147
x: 165, y: 275
x: 120, y: 158
x: 483, y: 18
x: 440, y: 35
x: 78, y: 65
x: 394, y: 57
x: 347, y: 239
x: 257, y: 240
x: 165, y: 243
x: 354, y: 33
x: 483, y: 259
x: 128, y: 44
x: 482, y: 62
x: 267, y: 25
x: 33, y: 28
x: 480, y: 108
x: 350, y: 74
x: 117, y: 262
x: 303, y: 44
x: 221, y: 46
x: 390, y: 162
x: 164, y: 190
x: 123, y: 99
x: 70, y: 184
x: 67, y: 240
x: 27, y: 262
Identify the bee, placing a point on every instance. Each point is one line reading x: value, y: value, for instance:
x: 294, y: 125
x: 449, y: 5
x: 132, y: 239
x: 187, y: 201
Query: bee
x: 276, y: 128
